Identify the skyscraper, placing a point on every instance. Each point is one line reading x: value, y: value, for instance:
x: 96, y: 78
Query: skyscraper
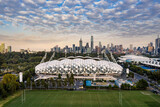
x: 157, y: 46
x: 100, y: 47
x: 80, y: 45
x: 92, y: 43
x: 2, y: 48
x: 74, y: 49
x: 9, y: 49
x: 131, y: 47
x: 87, y: 45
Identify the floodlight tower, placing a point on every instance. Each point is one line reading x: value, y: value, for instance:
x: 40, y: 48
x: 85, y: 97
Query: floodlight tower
x: 104, y: 53
x: 45, y: 56
x: 52, y: 56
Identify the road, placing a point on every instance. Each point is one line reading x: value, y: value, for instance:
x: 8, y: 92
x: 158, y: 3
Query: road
x: 138, y: 77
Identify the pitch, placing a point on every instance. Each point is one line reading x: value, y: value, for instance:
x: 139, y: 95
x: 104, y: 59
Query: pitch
x: 107, y: 98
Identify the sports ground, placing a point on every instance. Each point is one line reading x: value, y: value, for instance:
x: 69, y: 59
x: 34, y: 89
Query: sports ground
x: 107, y: 98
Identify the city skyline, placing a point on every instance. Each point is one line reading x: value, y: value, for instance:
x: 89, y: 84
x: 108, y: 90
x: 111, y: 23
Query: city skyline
x: 88, y: 40
x: 42, y: 24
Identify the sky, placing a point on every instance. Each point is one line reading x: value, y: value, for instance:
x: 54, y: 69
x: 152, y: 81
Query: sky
x: 42, y: 24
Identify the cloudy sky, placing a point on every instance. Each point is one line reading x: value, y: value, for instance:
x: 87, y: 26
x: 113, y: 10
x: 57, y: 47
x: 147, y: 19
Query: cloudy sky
x: 42, y: 24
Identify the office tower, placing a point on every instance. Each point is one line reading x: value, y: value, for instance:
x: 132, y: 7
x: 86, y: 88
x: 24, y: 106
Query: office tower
x: 9, y: 49
x: 74, y: 48
x: 112, y: 45
x: 157, y: 46
x: 87, y: 45
x: 100, y: 47
x: 92, y: 43
x: 2, y: 48
x: 80, y: 45
x: 97, y: 49
x: 131, y: 47
x: 107, y: 46
x: 150, y: 48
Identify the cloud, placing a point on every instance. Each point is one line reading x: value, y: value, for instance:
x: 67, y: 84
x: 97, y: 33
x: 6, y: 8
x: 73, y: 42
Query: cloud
x: 81, y: 16
x: 29, y: 1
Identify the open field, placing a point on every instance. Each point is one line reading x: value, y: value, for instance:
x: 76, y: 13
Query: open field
x: 110, y: 98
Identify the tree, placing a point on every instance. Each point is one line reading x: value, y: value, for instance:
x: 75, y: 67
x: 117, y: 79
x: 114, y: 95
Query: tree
x: 65, y: 82
x: 1, y: 60
x: 131, y: 74
x: 142, y: 84
x: 72, y: 76
x: 3, y: 92
x: 115, y: 86
x: 59, y: 76
x: 67, y: 76
x: 9, y: 83
x: 26, y: 75
x: 125, y: 86
x: 110, y: 86
x: 37, y: 83
x: 44, y: 84
x: 28, y: 82
x: 59, y: 83
x: 52, y: 82
x: 33, y: 85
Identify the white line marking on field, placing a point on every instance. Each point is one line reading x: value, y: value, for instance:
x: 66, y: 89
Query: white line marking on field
x: 154, y: 99
x: 144, y: 93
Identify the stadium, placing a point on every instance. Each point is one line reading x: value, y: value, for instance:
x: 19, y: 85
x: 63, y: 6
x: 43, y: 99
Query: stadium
x: 81, y: 67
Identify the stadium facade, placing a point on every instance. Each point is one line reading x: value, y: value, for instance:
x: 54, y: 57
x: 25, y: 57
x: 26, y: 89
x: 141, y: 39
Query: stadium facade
x: 79, y: 66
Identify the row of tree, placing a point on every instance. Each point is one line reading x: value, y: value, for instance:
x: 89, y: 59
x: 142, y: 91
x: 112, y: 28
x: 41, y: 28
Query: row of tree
x: 140, y: 85
x: 48, y: 83
x: 152, y: 75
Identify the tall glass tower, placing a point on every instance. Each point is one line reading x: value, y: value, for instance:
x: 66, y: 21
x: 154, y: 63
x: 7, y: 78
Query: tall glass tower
x: 157, y: 46
x: 80, y: 45
x: 92, y: 43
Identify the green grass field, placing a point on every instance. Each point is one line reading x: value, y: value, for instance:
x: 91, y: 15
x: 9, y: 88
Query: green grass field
x: 110, y: 98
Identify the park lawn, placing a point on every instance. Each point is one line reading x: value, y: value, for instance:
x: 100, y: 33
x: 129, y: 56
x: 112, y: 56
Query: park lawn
x: 95, y: 98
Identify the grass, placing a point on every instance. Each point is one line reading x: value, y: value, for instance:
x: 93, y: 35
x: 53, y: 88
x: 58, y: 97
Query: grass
x: 9, y: 98
x: 110, y: 98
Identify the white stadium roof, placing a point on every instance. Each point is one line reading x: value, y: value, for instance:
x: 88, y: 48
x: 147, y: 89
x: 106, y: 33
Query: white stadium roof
x: 78, y: 65
x: 133, y: 58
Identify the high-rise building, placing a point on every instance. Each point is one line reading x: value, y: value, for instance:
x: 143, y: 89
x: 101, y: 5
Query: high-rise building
x: 80, y: 45
x: 157, y: 46
x: 87, y: 45
x: 9, y: 49
x: 112, y: 45
x: 74, y: 48
x: 100, y: 47
x: 2, y: 48
x: 131, y: 47
x: 92, y: 43
x: 107, y: 46
x: 97, y: 49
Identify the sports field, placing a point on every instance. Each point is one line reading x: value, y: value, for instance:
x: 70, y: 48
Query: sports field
x: 111, y: 98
